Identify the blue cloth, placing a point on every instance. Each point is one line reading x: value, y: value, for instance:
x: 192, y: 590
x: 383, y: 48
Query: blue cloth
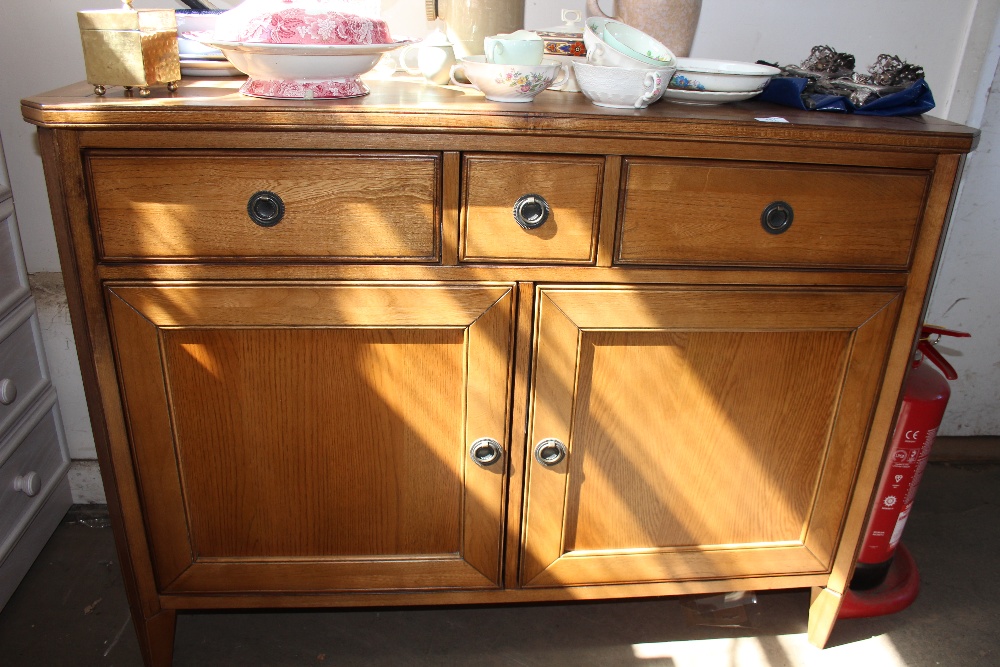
x: 913, y: 100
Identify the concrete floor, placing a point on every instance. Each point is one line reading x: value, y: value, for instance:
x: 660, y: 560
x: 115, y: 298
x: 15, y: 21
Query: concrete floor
x: 70, y: 610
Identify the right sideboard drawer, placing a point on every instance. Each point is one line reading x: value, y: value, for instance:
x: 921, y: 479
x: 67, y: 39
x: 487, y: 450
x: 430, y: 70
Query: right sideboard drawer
x: 703, y: 212
x: 196, y: 205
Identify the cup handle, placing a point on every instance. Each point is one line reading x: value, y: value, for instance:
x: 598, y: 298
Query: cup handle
x: 653, y: 86
x: 402, y: 59
x: 562, y: 78
x: 594, y: 53
x: 497, y: 47
x: 454, y: 81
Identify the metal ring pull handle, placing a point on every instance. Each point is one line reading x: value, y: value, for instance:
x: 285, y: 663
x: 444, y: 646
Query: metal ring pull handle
x: 550, y: 452
x: 777, y: 217
x: 531, y: 211
x: 265, y: 208
x: 485, y: 452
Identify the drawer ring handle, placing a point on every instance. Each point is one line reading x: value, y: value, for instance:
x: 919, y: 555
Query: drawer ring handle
x: 550, y: 452
x: 485, y: 452
x: 265, y: 208
x: 531, y: 211
x: 777, y: 217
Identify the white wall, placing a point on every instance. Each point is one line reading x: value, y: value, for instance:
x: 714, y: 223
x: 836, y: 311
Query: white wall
x: 966, y: 295
x: 40, y: 50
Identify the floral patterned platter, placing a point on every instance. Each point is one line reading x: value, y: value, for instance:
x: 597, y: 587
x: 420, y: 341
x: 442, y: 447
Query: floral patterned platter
x: 304, y: 71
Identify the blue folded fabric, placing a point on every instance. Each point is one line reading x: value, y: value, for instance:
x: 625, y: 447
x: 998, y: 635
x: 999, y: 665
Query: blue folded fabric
x: 912, y: 101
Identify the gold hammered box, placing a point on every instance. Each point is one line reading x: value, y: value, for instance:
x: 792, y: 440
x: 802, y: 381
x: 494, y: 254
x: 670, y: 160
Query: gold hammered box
x: 128, y: 47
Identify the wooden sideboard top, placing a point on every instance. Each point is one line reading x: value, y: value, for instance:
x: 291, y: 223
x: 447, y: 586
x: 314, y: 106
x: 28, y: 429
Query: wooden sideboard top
x: 407, y: 104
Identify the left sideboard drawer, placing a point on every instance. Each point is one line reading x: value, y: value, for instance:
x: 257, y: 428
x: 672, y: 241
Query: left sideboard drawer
x: 188, y: 205
x: 713, y: 212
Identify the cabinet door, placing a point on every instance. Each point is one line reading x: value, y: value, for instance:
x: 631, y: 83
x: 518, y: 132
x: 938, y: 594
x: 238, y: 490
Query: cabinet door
x: 316, y: 437
x: 709, y: 433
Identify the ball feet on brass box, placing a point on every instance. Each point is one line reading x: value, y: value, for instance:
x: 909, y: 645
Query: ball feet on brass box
x: 144, y: 91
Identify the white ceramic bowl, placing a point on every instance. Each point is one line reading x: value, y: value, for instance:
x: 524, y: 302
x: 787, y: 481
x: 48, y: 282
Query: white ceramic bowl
x: 306, y: 71
x: 721, y: 76
x: 636, y: 44
x: 509, y: 83
x: 598, y: 50
x: 622, y: 87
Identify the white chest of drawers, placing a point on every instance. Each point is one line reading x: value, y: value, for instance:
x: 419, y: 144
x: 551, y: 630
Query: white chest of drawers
x: 34, y: 491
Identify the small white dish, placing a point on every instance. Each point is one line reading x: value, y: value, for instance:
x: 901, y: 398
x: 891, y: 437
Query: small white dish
x: 706, y: 97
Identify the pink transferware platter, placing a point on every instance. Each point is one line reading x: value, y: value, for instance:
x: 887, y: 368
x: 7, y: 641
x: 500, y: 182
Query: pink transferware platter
x: 302, y: 49
x: 304, y: 71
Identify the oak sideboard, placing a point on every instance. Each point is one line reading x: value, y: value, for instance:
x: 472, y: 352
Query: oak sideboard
x: 419, y: 348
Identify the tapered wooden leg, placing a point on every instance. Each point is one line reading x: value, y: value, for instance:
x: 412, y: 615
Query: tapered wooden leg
x: 823, y: 609
x: 156, y: 638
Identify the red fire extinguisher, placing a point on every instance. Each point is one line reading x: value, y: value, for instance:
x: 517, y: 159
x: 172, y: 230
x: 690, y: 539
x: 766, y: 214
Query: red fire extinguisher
x: 924, y: 400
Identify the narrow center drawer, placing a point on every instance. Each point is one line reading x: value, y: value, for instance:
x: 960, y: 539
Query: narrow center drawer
x: 499, y: 187
x: 706, y: 212
x: 197, y: 205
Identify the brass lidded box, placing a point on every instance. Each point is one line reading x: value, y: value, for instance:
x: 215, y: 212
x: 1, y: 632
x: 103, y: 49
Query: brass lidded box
x: 130, y: 47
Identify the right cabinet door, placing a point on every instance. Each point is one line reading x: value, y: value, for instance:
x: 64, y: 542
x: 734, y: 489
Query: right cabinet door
x: 696, y: 433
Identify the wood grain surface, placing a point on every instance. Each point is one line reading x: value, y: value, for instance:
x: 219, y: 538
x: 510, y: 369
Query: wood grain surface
x: 283, y: 416
x: 684, y: 212
x: 493, y: 184
x: 178, y: 205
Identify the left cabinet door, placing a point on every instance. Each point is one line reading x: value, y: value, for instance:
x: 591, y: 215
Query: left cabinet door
x: 316, y: 436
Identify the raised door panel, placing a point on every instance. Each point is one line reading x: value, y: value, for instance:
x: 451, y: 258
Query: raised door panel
x: 710, y: 433
x: 316, y: 437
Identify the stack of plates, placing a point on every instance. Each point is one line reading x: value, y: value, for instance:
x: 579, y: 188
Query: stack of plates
x: 198, y: 60
x: 704, y: 81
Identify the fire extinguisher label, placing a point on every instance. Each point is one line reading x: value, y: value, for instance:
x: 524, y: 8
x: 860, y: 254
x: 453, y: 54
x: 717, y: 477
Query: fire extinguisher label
x: 897, y: 532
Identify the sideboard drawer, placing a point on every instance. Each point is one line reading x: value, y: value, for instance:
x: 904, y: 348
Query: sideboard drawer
x: 701, y: 212
x: 494, y: 183
x: 174, y: 205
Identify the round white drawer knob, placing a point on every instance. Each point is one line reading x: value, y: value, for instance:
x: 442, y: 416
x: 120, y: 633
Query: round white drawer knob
x: 8, y: 391
x: 29, y: 484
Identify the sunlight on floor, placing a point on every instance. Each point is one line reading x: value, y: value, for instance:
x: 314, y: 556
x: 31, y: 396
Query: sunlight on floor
x: 772, y: 651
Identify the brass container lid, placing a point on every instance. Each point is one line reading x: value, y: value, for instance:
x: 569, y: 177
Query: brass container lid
x: 126, y: 18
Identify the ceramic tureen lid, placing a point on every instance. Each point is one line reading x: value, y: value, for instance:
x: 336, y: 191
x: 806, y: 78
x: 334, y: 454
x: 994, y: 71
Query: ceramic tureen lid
x: 331, y: 22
